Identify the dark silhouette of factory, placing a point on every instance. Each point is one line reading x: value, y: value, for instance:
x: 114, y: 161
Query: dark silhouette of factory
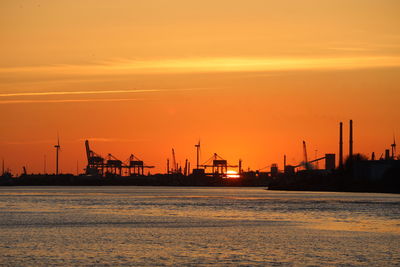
x: 355, y: 173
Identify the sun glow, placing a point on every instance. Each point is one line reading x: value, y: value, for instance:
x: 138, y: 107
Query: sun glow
x: 232, y: 174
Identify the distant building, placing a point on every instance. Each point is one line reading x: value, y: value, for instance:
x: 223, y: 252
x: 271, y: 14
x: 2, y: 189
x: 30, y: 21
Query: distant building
x: 330, y: 160
x: 375, y: 170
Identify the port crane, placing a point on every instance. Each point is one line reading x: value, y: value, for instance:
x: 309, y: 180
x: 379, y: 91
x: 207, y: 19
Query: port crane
x: 114, y: 165
x: 218, y: 165
x: 136, y: 166
x: 306, y: 163
x: 176, y: 168
x: 95, y: 164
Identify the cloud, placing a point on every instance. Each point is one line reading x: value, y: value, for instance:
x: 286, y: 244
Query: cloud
x: 77, y: 92
x: 216, y: 64
x: 33, y: 100
x: 38, y: 101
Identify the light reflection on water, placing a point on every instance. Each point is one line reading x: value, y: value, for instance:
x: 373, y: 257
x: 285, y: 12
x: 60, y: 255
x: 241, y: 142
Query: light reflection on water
x: 193, y: 226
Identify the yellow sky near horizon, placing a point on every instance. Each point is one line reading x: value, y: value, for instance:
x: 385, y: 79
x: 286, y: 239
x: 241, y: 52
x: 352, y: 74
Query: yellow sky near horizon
x: 252, y: 79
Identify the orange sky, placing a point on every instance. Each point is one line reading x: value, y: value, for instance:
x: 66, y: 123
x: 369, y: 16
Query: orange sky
x: 251, y: 79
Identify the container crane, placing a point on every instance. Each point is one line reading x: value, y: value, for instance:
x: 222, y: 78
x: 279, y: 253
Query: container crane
x: 95, y: 164
x: 136, y: 166
x: 114, y: 165
x: 218, y: 164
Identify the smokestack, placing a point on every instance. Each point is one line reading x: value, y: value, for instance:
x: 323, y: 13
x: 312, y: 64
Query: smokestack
x: 186, y: 168
x: 284, y: 161
x: 341, y: 145
x: 167, y: 166
x: 351, y: 140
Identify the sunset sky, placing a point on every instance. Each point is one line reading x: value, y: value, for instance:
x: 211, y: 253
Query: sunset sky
x: 250, y: 79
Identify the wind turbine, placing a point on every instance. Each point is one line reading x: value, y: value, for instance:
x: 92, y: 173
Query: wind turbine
x: 58, y: 147
x: 393, y: 147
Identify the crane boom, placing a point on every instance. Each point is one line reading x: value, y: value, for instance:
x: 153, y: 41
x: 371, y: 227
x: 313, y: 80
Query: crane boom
x: 175, y: 167
x: 87, y: 150
x: 305, y: 154
x: 311, y: 161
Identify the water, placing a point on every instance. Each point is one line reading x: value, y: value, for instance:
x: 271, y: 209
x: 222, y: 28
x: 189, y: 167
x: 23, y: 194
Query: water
x: 142, y: 226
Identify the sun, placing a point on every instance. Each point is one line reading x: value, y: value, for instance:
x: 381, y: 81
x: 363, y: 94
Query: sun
x: 232, y: 174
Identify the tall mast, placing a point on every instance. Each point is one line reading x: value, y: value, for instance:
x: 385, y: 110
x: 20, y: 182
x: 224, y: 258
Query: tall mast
x: 57, y: 152
x: 341, y: 145
x: 198, y: 154
x: 351, y: 140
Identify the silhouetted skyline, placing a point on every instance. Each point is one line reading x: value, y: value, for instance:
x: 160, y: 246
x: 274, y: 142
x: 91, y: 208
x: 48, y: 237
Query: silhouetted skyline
x: 250, y: 79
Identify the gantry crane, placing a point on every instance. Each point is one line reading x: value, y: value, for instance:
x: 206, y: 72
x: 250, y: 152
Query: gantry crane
x: 218, y: 164
x: 95, y: 164
x: 114, y: 165
x: 136, y: 166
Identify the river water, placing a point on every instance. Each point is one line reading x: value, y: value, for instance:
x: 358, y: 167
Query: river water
x: 191, y: 226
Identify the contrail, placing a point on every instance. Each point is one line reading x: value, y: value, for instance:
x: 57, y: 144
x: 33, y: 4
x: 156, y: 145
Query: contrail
x: 67, y: 101
x: 79, y: 92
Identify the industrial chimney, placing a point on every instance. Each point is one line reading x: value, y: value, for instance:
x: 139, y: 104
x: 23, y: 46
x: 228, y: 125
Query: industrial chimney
x: 351, y: 140
x: 284, y: 161
x: 341, y: 145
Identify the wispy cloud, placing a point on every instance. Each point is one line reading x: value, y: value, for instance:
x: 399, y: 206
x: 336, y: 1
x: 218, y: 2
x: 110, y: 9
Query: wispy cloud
x: 351, y: 49
x: 30, y: 97
x: 38, y: 101
x: 218, y: 64
x: 55, y: 93
x: 94, y: 92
